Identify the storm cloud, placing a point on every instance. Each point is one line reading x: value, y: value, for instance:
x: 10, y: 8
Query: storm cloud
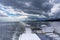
x: 28, y: 4
x: 34, y: 7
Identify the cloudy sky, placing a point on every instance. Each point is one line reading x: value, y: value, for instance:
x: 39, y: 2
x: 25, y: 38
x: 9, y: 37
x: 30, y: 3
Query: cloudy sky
x: 30, y: 8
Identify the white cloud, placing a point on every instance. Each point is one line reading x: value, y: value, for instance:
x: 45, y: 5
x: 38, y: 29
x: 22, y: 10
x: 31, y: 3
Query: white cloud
x: 55, y: 9
x: 28, y: 4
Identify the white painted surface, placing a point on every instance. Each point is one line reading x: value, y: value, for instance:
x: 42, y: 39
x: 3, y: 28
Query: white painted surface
x: 28, y: 35
x: 58, y: 38
x: 56, y: 26
x: 48, y: 29
x: 49, y: 33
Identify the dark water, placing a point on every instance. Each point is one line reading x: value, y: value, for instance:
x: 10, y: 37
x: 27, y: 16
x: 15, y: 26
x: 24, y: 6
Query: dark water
x: 7, y: 29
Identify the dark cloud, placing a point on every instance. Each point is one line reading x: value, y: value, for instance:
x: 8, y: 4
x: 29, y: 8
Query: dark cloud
x: 35, y: 4
x: 47, y: 6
